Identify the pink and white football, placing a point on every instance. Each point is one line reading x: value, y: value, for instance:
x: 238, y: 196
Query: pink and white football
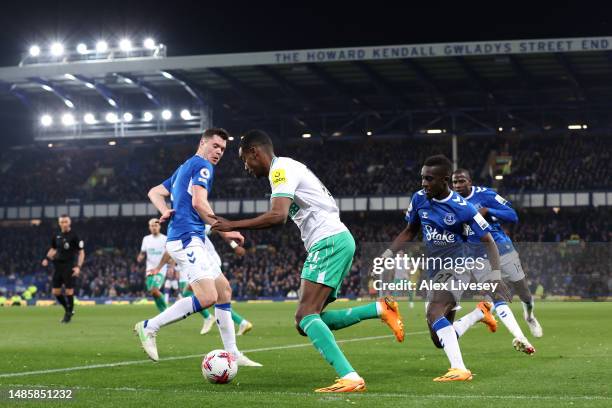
x: 219, y: 367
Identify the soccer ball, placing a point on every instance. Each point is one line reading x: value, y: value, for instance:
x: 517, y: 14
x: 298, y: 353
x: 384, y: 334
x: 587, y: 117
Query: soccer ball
x: 219, y: 367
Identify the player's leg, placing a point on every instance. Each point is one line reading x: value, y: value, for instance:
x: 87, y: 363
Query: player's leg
x: 411, y: 298
x: 69, y: 291
x: 154, y: 283
x: 167, y: 290
x: 508, y: 263
x: 63, y: 278
x: 513, y: 274
x: 445, y: 337
x: 439, y: 309
x: 482, y: 311
x: 328, y: 262
x: 208, y: 319
x: 244, y: 326
x: 223, y: 315
x: 204, y: 289
x: 521, y: 288
x: 313, y: 298
x: 58, y: 281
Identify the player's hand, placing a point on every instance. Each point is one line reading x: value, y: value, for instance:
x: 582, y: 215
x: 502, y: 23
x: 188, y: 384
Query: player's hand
x: 153, y: 271
x: 166, y: 216
x: 76, y: 271
x: 222, y: 225
x: 235, y: 236
x: 239, y: 251
x: 483, y: 211
x: 45, y: 262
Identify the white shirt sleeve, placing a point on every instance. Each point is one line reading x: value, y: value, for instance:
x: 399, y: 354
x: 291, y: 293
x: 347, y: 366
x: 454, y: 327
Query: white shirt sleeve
x: 284, y: 179
x: 143, y: 247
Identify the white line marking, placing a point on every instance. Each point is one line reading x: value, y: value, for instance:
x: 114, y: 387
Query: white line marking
x: 312, y: 394
x: 133, y: 362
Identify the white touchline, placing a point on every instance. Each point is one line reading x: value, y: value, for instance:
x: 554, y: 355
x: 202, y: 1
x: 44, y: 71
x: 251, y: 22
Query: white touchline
x: 133, y: 362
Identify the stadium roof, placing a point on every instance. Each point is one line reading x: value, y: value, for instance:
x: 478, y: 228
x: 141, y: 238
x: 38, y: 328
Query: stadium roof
x: 470, y: 88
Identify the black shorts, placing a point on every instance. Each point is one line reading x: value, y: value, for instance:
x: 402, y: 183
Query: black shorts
x: 63, y: 275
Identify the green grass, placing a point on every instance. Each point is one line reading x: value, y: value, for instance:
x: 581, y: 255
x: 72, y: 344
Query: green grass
x: 571, y: 366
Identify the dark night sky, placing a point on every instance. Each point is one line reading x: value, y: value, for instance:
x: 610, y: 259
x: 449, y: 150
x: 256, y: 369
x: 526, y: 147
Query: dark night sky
x: 226, y: 26
x: 201, y: 27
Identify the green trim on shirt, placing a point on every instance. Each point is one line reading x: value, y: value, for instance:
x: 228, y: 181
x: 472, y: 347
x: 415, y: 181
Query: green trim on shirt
x: 291, y: 196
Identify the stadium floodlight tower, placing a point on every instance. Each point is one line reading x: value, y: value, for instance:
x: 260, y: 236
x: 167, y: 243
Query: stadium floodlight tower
x: 114, y: 88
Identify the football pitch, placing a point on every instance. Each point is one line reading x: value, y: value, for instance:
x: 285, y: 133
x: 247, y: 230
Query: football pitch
x: 99, y: 357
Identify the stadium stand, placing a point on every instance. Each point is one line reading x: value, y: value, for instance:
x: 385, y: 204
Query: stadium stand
x: 352, y: 168
x: 112, y: 246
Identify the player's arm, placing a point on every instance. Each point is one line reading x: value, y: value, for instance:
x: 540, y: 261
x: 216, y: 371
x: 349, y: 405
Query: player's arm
x: 200, y: 203
x: 158, y: 196
x: 50, y: 254
x: 492, y: 251
x: 238, y: 250
x: 165, y: 259
x: 143, y: 252
x: 412, y: 228
x: 49, y: 257
x: 498, y: 207
x: 76, y: 270
x: 277, y: 215
x: 283, y: 183
x: 406, y: 235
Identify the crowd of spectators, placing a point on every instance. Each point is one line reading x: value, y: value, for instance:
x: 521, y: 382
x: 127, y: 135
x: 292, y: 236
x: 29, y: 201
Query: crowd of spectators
x: 347, y: 168
x: 271, y: 267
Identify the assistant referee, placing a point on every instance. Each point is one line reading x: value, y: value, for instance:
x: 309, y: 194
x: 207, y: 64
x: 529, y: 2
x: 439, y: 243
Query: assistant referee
x: 67, y: 254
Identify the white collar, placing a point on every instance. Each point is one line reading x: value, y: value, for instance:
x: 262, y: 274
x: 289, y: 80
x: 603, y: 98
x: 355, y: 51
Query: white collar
x: 445, y: 199
x: 471, y: 194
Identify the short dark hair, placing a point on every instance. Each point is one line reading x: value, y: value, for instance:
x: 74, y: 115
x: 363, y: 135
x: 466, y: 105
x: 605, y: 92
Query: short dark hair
x: 256, y: 137
x: 64, y: 216
x: 222, y: 133
x: 463, y: 171
x: 439, y: 160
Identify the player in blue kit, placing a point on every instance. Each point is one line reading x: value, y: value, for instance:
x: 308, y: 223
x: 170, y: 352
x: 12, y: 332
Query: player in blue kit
x: 496, y: 209
x: 188, y: 189
x: 443, y: 217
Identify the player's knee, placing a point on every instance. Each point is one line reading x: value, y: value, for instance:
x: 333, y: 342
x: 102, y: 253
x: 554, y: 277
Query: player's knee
x: 207, y: 300
x: 433, y: 314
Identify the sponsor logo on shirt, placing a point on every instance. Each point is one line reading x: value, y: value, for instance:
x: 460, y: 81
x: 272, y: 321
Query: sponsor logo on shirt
x: 293, y: 209
x: 278, y: 177
x: 436, y: 237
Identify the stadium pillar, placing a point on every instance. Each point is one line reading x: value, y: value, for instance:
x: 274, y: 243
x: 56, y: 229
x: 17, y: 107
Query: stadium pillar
x: 455, y: 147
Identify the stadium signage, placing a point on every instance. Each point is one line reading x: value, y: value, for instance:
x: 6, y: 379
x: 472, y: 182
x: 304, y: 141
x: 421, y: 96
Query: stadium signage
x: 379, y: 53
x: 462, y: 49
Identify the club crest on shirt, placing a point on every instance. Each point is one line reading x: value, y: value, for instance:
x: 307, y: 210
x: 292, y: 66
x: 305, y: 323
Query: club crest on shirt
x: 449, y: 219
x: 278, y: 177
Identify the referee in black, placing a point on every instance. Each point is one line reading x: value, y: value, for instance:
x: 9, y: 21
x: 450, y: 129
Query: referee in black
x: 67, y: 254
